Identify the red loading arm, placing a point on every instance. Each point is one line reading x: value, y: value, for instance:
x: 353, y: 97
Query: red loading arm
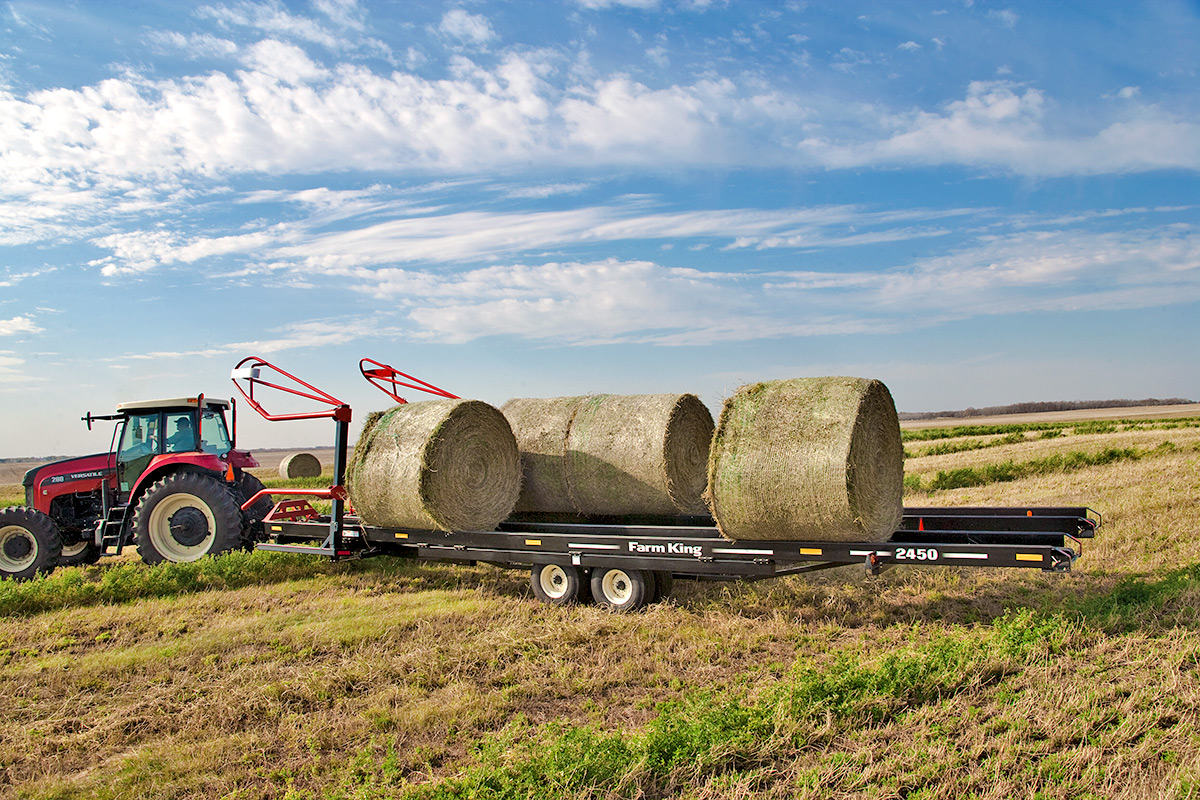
x: 250, y: 369
x: 380, y: 374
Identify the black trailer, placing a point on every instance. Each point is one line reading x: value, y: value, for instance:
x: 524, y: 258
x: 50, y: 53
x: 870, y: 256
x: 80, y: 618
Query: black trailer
x: 625, y: 563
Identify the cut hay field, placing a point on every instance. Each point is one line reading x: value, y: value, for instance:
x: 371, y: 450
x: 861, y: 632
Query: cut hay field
x: 276, y: 676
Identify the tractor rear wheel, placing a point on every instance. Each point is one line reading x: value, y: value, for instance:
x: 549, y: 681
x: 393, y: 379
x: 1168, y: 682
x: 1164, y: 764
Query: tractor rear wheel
x: 252, y: 525
x: 186, y: 516
x: 29, y: 543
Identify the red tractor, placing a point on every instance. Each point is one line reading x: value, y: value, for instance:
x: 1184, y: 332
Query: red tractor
x: 173, y: 485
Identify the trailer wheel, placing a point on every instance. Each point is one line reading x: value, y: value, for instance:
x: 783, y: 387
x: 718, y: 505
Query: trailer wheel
x: 186, y: 516
x: 252, y: 518
x: 622, y: 589
x: 555, y: 584
x: 83, y: 551
x: 29, y: 543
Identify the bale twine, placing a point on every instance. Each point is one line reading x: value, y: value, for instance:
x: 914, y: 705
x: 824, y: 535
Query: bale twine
x: 437, y: 464
x: 807, y: 459
x: 541, y: 426
x: 300, y: 465
x: 613, y: 455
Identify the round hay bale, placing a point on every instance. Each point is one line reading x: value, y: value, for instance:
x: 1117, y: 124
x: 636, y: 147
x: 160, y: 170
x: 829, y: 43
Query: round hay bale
x: 541, y: 426
x: 639, y: 454
x: 437, y: 464
x: 815, y: 459
x: 300, y: 465
x: 612, y: 455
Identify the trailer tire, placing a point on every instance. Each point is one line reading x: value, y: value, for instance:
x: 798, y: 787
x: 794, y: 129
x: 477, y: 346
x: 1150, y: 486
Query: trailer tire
x: 185, y: 516
x: 622, y: 590
x: 557, y: 585
x: 84, y: 551
x: 30, y: 544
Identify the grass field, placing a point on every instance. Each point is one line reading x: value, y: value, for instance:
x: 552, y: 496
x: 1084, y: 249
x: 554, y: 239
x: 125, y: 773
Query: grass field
x: 274, y: 676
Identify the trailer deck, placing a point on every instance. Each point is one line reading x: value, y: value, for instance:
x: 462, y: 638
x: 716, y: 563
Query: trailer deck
x: 1047, y: 538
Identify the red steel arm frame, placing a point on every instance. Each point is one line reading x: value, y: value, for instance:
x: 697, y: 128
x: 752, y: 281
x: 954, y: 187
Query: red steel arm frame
x: 249, y: 370
x: 379, y: 373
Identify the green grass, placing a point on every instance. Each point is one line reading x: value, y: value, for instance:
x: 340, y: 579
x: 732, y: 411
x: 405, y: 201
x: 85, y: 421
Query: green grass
x: 1078, y: 428
x: 131, y: 581
x: 707, y: 735
x: 1003, y: 472
x: 279, y: 677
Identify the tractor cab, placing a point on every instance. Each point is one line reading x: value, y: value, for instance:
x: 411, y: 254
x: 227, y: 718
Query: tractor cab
x: 164, y: 427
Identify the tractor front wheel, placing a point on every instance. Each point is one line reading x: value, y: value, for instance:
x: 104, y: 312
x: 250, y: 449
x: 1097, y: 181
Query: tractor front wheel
x: 185, y: 516
x: 29, y: 543
x: 83, y: 550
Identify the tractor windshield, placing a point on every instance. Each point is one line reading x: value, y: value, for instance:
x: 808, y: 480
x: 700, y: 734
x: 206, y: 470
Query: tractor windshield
x: 214, y: 438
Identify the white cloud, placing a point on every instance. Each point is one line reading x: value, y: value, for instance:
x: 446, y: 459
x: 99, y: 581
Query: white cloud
x: 18, y: 325
x: 467, y: 27
x: 1001, y: 125
x: 12, y: 374
x: 910, y: 46
x: 196, y: 45
x: 70, y: 158
x: 1006, y: 17
x: 544, y: 190
x: 640, y: 301
x: 271, y: 18
x: 283, y: 62
x: 600, y: 5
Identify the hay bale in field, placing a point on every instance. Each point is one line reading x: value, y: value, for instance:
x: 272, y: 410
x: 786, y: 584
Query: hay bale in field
x: 612, y: 455
x: 810, y: 459
x: 437, y: 464
x: 541, y: 426
x: 300, y: 465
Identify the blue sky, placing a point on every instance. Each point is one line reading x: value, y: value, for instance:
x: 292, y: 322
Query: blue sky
x: 976, y: 202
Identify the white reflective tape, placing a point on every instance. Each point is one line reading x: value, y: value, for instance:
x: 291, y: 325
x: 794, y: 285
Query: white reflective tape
x: 980, y: 556
x: 733, y: 551
x: 594, y: 546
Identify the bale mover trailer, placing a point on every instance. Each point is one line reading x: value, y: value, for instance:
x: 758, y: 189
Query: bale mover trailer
x: 625, y: 563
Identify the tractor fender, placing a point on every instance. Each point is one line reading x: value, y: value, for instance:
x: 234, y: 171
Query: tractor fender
x: 176, y: 462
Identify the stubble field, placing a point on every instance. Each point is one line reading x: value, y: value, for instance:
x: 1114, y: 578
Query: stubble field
x: 273, y: 676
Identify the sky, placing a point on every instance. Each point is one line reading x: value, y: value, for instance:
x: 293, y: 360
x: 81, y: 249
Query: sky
x: 978, y: 203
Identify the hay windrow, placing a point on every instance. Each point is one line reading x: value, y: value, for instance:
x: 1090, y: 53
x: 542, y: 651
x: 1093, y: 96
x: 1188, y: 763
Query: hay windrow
x: 300, y: 465
x: 810, y: 459
x: 444, y: 464
x: 613, y: 455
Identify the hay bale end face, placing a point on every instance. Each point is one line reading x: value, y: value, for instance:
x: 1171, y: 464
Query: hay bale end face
x: 639, y: 454
x: 807, y: 459
x: 612, y: 455
x: 437, y: 464
x: 300, y: 465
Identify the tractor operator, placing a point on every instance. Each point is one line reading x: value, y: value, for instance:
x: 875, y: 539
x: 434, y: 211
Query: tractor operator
x: 183, y: 438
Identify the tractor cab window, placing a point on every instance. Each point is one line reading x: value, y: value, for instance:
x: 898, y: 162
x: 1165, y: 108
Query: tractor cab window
x: 140, y: 437
x: 214, y: 438
x: 139, y: 443
x: 181, y: 435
